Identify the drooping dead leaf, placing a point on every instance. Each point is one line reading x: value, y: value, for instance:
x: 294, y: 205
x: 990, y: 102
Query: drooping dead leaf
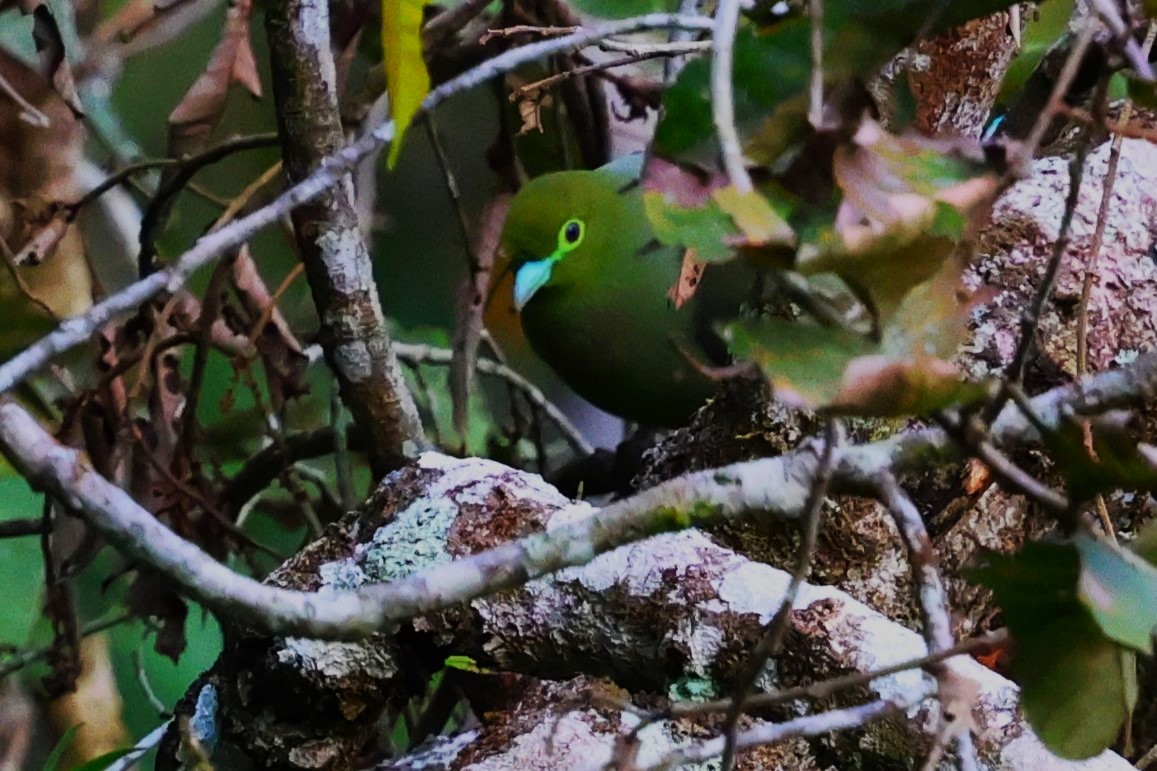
x: 38, y: 170
x: 530, y: 113
x: 279, y: 349
x: 470, y: 309
x: 152, y: 596
x: 883, y: 386
x: 195, y: 117
x: 53, y: 62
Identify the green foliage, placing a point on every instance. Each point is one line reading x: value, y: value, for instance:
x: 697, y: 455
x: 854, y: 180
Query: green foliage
x: 1119, y: 588
x: 406, y: 73
x: 21, y: 573
x: 621, y: 9
x: 704, y: 229
x: 1044, y: 28
x: 887, y: 219
x: 56, y: 757
x: 1078, y: 611
x: 1117, y: 460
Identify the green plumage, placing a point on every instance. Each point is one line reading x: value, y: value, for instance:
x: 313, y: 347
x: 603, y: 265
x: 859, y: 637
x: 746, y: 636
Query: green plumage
x: 599, y: 311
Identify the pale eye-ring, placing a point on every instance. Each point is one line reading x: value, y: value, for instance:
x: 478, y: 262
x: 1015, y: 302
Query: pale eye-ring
x: 571, y: 234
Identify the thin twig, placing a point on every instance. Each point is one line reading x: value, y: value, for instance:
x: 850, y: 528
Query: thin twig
x: 771, y: 643
x: 933, y: 601
x: 441, y: 27
x: 823, y: 689
x: 1030, y: 319
x: 115, y: 179
x: 18, y: 528
x: 453, y: 189
x: 424, y: 354
x: 1148, y: 759
x: 13, y: 269
x: 775, y: 487
x: 815, y: 110
x: 1056, y: 100
x: 146, y: 686
x: 586, y: 69
x: 29, y: 657
x: 808, y: 725
x: 722, y: 97
x: 1091, y: 275
x: 527, y: 29
x: 1010, y: 475
x: 641, y: 48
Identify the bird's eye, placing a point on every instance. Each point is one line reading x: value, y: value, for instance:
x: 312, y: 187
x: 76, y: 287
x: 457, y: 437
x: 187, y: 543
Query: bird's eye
x: 570, y: 234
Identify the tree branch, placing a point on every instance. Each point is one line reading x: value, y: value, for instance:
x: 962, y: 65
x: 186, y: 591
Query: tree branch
x: 777, y: 486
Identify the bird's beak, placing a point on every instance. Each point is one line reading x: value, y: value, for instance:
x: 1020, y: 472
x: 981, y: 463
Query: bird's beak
x: 531, y: 277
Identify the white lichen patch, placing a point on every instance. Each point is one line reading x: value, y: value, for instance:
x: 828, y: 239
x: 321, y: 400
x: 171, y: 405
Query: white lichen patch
x: 415, y: 540
x: 337, y: 659
x: 441, y: 754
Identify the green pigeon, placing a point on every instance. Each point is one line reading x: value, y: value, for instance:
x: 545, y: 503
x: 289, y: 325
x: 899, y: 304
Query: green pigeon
x: 594, y: 289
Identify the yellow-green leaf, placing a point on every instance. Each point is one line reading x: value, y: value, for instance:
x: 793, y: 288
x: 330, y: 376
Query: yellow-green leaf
x: 753, y: 214
x: 406, y: 75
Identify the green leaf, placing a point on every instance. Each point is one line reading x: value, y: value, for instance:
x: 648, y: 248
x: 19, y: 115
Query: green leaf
x: 906, y: 202
x: 621, y: 9
x: 772, y: 66
x: 705, y: 229
x: 755, y: 216
x: 1075, y: 690
x: 57, y: 755
x: 406, y: 74
x: 1076, y: 693
x: 768, y: 71
x: 1044, y: 28
x: 1118, y: 460
x: 836, y: 369
x: 1145, y: 544
x: 466, y: 664
x: 1118, y: 588
x: 804, y: 363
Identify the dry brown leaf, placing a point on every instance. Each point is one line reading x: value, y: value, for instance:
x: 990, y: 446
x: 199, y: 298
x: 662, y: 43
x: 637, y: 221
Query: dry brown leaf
x: 470, y: 309
x: 193, y: 120
x: 690, y: 274
x: 530, y: 111
x: 976, y: 477
x: 53, y: 62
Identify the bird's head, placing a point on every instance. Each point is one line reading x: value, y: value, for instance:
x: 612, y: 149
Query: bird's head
x: 557, y: 228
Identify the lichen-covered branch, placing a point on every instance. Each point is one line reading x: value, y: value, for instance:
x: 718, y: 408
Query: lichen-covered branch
x: 337, y: 263
x: 671, y: 615
x: 775, y: 487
